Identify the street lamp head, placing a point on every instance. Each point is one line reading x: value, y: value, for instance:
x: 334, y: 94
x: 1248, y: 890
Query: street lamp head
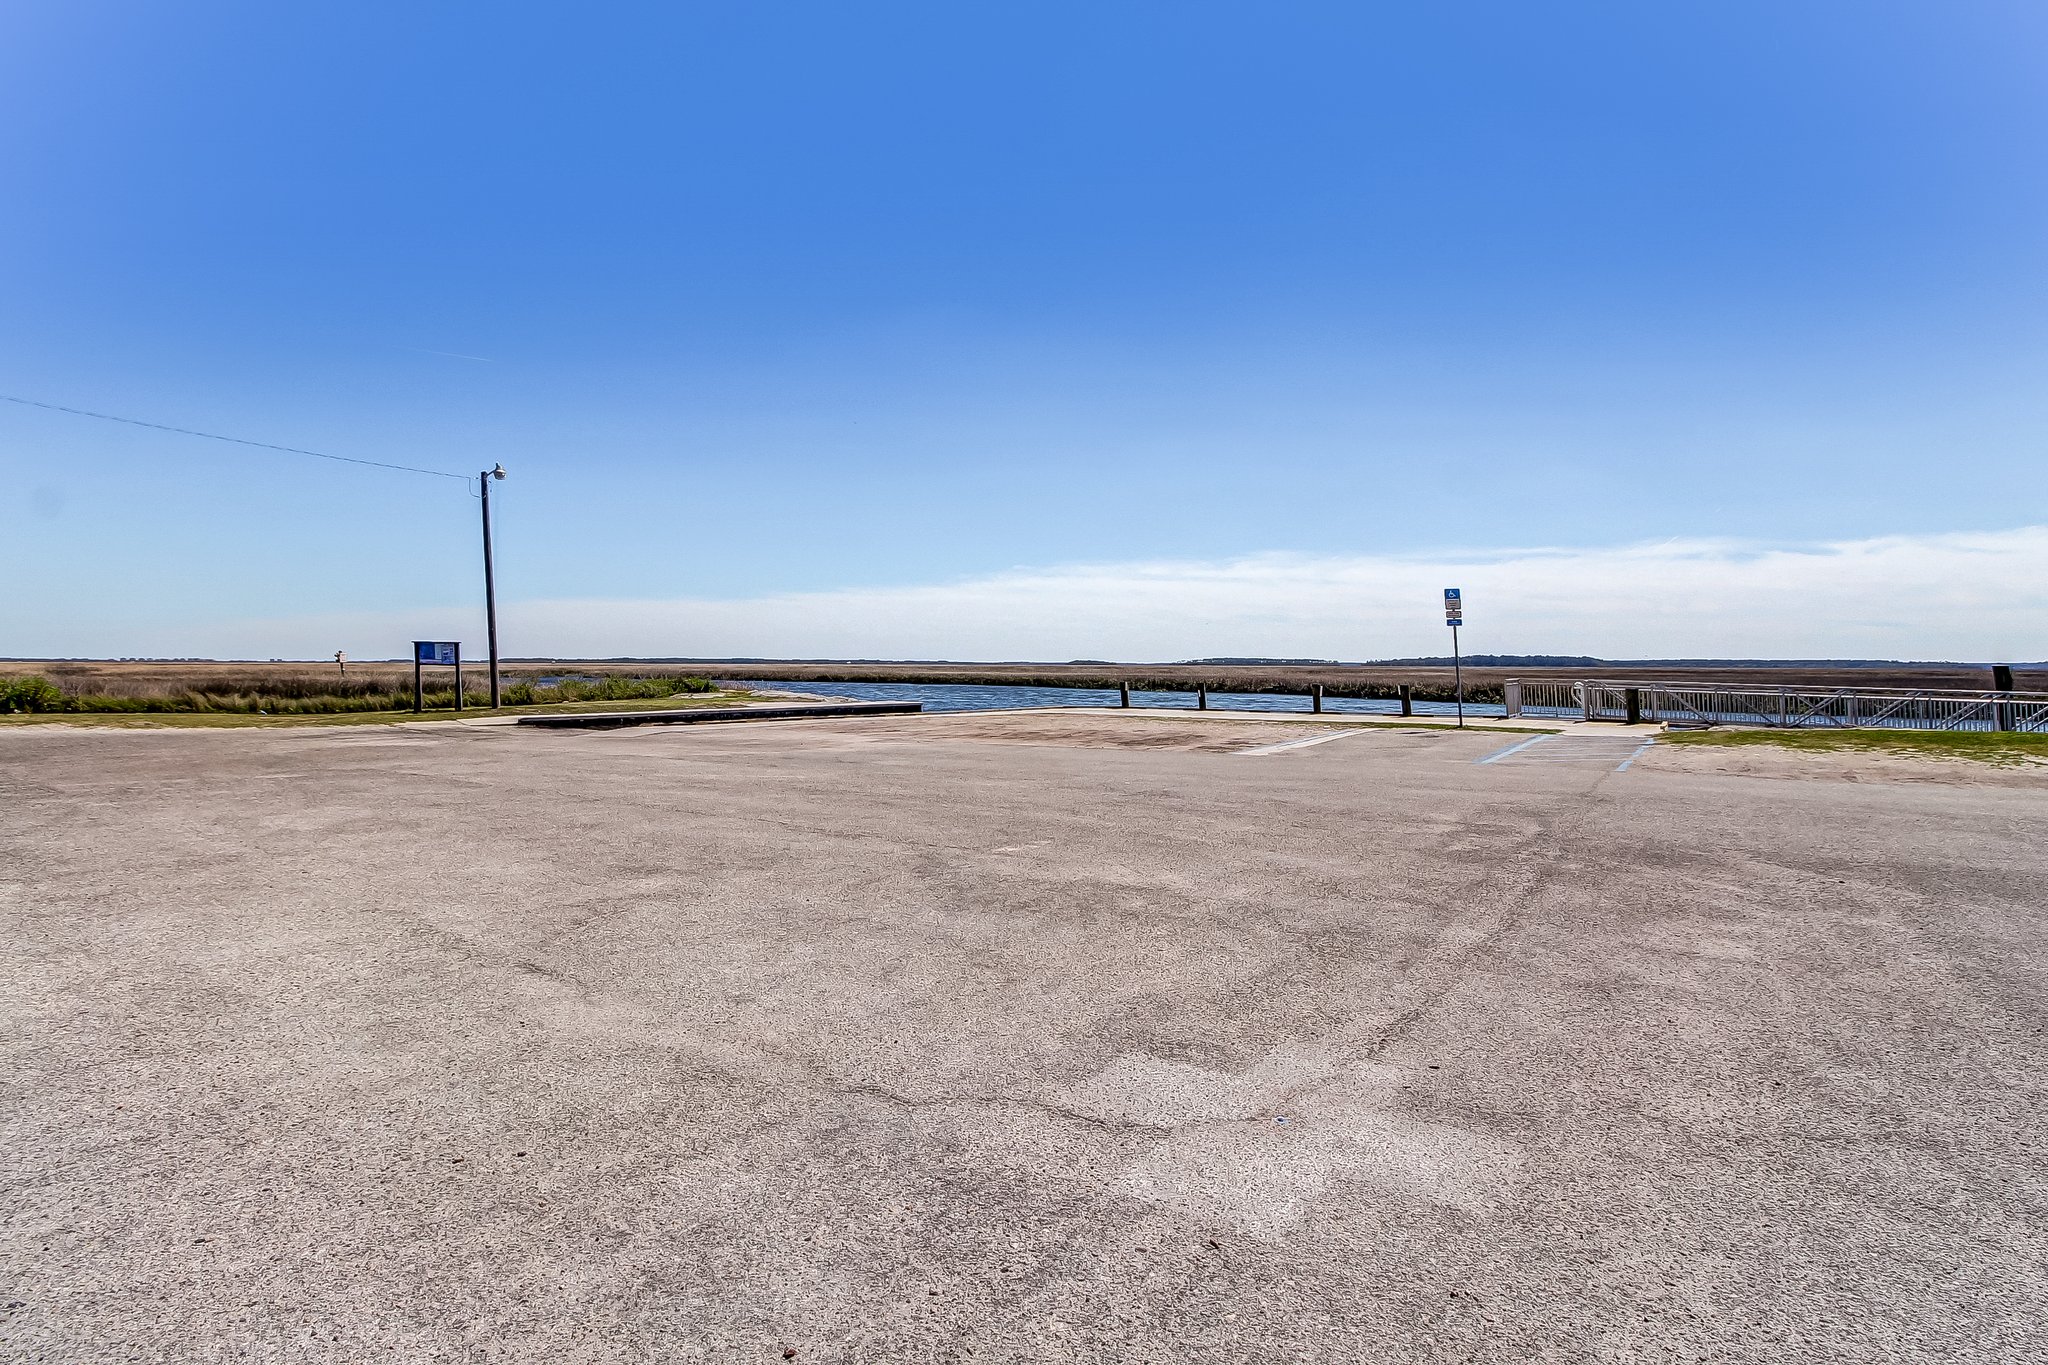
x: 498, y: 472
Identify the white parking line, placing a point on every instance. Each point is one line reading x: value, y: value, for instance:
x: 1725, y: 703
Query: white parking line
x: 1499, y: 754
x: 1294, y: 744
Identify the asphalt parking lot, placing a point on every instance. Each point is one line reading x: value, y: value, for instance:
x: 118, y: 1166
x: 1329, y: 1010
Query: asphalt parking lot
x: 958, y: 1038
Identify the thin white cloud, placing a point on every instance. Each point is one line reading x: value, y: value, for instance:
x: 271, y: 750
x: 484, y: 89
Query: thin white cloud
x: 1954, y: 596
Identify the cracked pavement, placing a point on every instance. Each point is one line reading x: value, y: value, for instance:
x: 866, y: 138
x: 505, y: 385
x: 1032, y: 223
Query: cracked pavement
x: 924, y: 1040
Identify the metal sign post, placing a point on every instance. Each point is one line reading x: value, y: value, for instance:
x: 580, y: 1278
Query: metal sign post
x: 1454, y: 616
x: 435, y: 652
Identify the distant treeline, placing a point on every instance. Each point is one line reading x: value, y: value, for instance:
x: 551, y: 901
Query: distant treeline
x: 1588, y: 661
x: 1428, y: 661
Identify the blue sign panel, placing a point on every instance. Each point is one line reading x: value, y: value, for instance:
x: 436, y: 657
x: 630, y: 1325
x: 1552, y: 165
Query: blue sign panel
x: 435, y: 651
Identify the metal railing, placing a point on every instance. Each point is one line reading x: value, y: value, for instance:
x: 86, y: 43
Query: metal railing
x: 1546, y: 698
x: 1789, y: 707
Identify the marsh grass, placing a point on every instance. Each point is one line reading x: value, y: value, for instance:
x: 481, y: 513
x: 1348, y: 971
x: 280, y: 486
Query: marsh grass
x: 1378, y: 681
x: 234, y: 720
x: 1298, y: 683
x: 306, y: 692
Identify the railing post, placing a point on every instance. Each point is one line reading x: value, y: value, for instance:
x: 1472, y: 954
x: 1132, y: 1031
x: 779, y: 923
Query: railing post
x: 1632, y: 705
x: 1511, y: 697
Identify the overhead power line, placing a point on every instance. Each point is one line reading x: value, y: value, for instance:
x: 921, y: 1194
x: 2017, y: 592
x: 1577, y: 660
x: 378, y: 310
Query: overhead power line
x: 233, y: 440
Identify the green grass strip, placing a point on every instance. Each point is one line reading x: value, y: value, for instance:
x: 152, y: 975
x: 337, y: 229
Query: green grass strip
x: 235, y: 720
x: 2001, y: 749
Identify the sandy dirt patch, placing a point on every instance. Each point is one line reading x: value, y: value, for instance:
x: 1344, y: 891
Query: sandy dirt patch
x: 1768, y: 760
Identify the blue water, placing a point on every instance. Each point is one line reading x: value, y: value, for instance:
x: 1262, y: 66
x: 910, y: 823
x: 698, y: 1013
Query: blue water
x: 966, y: 697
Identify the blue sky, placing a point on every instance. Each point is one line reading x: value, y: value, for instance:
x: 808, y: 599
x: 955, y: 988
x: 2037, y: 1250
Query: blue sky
x: 838, y: 304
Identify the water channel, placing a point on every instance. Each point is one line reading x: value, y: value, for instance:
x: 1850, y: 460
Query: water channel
x: 977, y: 697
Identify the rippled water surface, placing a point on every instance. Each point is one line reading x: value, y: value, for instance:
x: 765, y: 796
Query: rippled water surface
x: 969, y: 697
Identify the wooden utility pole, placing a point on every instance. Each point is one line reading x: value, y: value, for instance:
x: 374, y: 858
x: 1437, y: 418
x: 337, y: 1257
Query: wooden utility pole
x: 490, y: 588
